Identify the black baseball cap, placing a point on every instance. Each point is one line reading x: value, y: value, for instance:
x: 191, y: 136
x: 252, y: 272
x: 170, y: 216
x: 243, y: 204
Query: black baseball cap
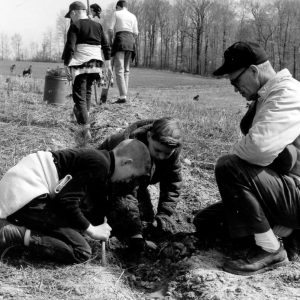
x: 77, y: 5
x: 241, y: 55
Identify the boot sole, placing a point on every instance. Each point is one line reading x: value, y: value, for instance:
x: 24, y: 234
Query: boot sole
x: 262, y: 270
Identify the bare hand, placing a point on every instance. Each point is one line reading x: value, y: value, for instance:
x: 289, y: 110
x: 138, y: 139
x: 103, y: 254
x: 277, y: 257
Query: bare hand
x: 68, y: 73
x: 108, y: 69
x: 100, y: 232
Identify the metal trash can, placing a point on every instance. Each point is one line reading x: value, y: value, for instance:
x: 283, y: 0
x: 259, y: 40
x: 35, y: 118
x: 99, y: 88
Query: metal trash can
x: 56, y: 89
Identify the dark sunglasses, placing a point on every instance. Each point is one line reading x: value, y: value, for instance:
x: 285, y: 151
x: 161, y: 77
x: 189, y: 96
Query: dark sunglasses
x: 235, y: 81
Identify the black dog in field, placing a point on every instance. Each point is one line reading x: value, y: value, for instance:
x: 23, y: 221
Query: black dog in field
x: 12, y: 68
x: 27, y: 72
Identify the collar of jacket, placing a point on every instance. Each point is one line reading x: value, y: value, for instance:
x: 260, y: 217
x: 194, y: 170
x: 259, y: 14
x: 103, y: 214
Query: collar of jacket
x: 266, y: 89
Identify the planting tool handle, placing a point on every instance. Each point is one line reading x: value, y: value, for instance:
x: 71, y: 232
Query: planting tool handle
x: 103, y: 244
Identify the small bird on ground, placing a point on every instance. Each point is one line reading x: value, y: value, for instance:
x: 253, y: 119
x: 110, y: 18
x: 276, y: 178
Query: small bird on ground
x: 196, y: 98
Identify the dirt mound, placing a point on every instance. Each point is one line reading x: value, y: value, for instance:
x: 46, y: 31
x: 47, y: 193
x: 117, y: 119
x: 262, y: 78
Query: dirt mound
x: 181, y: 268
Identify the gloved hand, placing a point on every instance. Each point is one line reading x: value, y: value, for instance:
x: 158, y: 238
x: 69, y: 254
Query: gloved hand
x: 161, y: 227
x: 165, y: 224
x: 137, y: 244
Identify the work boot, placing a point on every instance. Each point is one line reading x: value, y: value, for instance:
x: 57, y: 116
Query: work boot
x: 292, y: 245
x: 121, y: 100
x: 11, y: 234
x: 257, y: 261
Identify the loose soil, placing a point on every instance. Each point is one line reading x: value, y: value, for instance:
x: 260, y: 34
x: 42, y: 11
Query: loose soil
x: 181, y: 267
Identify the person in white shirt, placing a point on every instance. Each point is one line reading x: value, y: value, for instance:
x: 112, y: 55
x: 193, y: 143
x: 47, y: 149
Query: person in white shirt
x: 259, y: 181
x: 123, y: 30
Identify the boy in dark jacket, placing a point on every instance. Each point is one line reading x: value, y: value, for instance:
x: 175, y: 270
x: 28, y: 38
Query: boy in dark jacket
x: 163, y: 139
x: 50, y: 200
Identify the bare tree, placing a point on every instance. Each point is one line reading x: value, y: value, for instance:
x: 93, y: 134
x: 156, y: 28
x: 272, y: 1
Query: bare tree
x: 136, y: 7
x: 197, y: 11
x: 181, y: 33
x: 4, y: 46
x: 16, y: 44
x: 283, y: 32
x: 164, y: 20
x: 263, y: 20
x: 62, y: 25
x: 150, y: 14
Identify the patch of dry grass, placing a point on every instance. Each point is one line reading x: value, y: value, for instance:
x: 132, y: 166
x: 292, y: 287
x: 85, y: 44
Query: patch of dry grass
x: 28, y: 124
x: 25, y: 279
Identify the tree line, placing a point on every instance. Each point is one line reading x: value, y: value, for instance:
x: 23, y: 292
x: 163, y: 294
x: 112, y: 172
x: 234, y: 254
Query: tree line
x: 192, y: 35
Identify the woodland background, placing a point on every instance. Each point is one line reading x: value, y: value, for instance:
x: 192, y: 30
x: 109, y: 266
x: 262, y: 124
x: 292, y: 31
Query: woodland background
x: 187, y: 35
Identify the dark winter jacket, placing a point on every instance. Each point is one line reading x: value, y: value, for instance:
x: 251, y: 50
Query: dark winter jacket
x: 85, y: 31
x: 87, y: 197
x: 83, y: 200
x: 166, y: 172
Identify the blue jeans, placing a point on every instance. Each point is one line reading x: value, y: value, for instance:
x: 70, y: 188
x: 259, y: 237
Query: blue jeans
x: 122, y: 65
x: 50, y: 235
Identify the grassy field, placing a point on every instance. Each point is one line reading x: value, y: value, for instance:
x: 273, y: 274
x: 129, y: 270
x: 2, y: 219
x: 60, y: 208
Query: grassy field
x: 38, y: 68
x: 210, y: 126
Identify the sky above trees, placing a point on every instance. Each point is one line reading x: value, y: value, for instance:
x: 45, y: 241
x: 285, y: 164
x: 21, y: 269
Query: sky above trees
x: 32, y: 18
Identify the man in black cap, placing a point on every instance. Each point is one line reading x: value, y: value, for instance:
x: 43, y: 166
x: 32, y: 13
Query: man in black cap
x: 258, y: 182
x: 83, y: 56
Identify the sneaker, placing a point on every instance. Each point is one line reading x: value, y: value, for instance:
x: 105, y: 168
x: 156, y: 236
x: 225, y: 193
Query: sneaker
x: 258, y: 261
x: 121, y: 100
x: 11, y: 234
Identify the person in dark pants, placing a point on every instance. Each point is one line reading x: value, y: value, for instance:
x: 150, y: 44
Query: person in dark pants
x: 163, y: 139
x: 83, y: 59
x: 51, y: 200
x: 259, y: 181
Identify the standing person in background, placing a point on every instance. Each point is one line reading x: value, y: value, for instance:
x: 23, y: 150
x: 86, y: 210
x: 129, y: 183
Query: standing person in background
x: 83, y: 59
x: 124, y: 28
x: 95, y: 12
